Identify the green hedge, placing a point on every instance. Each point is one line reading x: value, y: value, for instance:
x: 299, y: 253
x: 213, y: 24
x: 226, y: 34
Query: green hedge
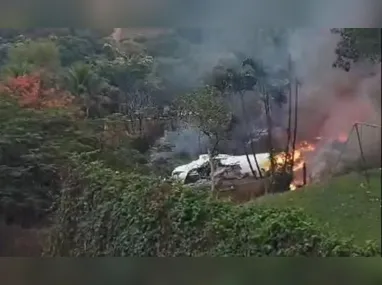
x: 107, y: 213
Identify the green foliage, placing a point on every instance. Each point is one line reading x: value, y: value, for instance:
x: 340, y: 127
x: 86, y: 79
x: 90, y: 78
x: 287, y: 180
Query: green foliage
x: 209, y: 111
x: 31, y: 145
x: 343, y: 203
x: 38, y: 54
x: 81, y: 79
x: 110, y: 207
x: 131, y: 84
x: 73, y: 44
x: 33, y: 33
x: 104, y: 212
x: 132, y: 47
x: 74, y: 48
x: 357, y: 44
x: 250, y: 76
x: 128, y: 74
x: 34, y: 149
x: 4, y: 47
x: 17, y: 69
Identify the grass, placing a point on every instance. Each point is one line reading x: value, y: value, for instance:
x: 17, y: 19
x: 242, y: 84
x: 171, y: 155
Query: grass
x: 344, y: 204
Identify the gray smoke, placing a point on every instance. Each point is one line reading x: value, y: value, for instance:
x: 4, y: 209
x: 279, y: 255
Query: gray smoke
x: 186, y: 140
x: 239, y: 16
x: 331, y: 100
x: 228, y: 48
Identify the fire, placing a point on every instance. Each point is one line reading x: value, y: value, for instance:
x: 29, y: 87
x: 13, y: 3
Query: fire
x: 299, y: 159
x: 342, y: 138
x: 301, y: 151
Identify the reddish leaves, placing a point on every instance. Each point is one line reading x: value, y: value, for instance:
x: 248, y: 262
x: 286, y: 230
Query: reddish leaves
x: 28, y: 91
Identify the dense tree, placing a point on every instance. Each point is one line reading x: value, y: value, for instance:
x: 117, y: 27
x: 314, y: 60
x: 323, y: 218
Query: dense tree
x: 74, y: 48
x: 42, y: 54
x: 208, y: 111
x: 35, y: 144
x: 136, y: 82
x: 88, y: 177
x: 357, y: 44
x: 31, y: 146
x: 84, y: 83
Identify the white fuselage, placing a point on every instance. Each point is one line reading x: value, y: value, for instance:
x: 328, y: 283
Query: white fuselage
x: 180, y: 173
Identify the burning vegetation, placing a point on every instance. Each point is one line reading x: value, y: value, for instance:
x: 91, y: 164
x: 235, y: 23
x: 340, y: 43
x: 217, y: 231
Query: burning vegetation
x: 316, y: 135
x: 300, y: 163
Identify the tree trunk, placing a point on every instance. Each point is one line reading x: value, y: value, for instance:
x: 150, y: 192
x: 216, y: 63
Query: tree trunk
x: 211, y: 156
x: 295, y: 123
x: 256, y: 162
x: 286, y: 151
x: 250, y: 138
x: 212, y: 168
x: 140, y: 124
x: 270, y: 138
x: 269, y: 129
x: 249, y: 161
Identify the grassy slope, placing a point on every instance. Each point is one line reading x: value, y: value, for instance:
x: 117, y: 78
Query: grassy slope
x: 342, y: 203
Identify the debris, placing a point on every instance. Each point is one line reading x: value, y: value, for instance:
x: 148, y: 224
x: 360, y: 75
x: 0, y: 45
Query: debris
x: 229, y: 167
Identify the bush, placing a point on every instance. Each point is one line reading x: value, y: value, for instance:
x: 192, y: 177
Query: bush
x: 103, y: 212
x: 74, y: 49
x: 34, y: 149
x: 32, y: 146
x: 39, y: 54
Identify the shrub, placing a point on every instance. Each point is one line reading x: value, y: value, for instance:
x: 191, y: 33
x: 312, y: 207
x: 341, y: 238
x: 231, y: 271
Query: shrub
x: 29, y: 91
x: 103, y: 212
x: 73, y: 49
x: 40, y: 54
x: 34, y: 147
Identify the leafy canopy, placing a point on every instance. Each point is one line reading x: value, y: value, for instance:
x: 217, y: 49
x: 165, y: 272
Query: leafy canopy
x: 208, y: 110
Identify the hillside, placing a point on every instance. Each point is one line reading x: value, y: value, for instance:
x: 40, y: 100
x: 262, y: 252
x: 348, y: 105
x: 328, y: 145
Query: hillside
x: 343, y: 203
x: 86, y: 157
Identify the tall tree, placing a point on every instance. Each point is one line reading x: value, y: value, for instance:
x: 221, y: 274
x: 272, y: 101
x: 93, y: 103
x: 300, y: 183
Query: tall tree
x: 357, y: 44
x: 210, y: 113
x: 236, y: 82
x: 83, y: 82
x: 135, y: 80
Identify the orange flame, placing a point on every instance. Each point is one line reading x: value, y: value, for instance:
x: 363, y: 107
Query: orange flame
x: 300, y: 155
x: 299, y: 159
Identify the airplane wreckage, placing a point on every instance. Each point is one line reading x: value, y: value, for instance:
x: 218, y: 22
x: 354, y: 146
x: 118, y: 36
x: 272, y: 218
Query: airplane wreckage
x: 228, y: 167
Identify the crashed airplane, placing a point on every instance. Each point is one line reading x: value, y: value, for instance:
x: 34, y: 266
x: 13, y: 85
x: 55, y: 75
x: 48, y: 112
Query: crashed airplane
x: 229, y: 166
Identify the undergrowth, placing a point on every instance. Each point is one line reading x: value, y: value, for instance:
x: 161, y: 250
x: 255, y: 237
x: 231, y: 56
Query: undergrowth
x: 35, y: 145
x: 103, y: 212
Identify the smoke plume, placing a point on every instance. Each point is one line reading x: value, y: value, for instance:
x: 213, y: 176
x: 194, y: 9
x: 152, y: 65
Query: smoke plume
x: 330, y: 100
